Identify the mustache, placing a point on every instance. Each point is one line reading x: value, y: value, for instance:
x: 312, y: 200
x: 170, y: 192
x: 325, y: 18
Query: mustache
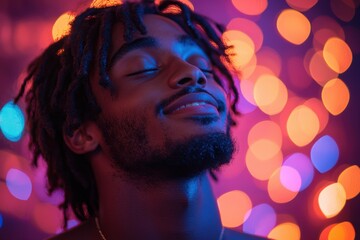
x: 185, y: 91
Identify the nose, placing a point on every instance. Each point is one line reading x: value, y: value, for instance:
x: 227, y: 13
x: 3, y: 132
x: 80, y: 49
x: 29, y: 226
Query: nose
x: 186, y: 74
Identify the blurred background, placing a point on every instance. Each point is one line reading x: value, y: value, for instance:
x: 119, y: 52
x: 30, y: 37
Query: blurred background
x: 296, y: 174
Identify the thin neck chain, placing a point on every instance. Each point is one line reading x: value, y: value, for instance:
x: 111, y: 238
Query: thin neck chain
x: 104, y: 238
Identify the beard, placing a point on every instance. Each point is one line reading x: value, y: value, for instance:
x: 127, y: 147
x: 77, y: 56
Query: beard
x: 132, y: 154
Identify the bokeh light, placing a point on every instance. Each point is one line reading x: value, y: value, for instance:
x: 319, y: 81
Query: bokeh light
x: 62, y: 25
x: 336, y: 96
x: 233, y: 207
x: 302, y: 164
x: 285, y: 231
x: 276, y: 189
x: 293, y: 26
x: 332, y: 199
x: 261, y: 220
x: 104, y: 3
x: 337, y: 54
x: 270, y: 94
x: 12, y: 121
x: 302, y: 5
x: 19, y: 184
x: 302, y: 125
x: 350, y: 180
x: 342, y: 231
x: 324, y: 153
x: 319, y: 70
x: 1, y: 221
x: 47, y: 217
x: 250, y: 7
x: 343, y: 9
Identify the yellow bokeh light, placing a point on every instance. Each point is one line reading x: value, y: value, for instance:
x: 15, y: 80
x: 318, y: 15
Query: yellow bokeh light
x: 335, y: 96
x: 293, y: 26
x: 337, y: 54
x: 270, y: 94
x: 250, y: 7
x: 302, y: 5
x: 342, y: 231
x: 233, y: 208
x: 248, y: 27
x: 332, y: 199
x: 104, y: 3
x: 243, y: 48
x: 62, y: 25
x: 285, y: 231
x: 302, y: 125
x: 319, y: 70
x: 350, y: 180
x: 277, y: 191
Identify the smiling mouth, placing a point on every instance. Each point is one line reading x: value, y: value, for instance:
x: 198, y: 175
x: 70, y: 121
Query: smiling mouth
x: 193, y: 104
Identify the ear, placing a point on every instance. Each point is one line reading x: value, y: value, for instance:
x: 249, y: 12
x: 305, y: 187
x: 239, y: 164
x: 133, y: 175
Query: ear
x: 83, y: 140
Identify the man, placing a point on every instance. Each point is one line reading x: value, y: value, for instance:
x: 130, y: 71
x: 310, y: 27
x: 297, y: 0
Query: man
x: 130, y: 111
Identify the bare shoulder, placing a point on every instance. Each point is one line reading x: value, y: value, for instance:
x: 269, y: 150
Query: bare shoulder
x: 234, y: 235
x: 85, y: 230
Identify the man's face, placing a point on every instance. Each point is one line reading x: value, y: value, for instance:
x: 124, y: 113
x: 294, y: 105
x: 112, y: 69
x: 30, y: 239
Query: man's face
x: 168, y: 117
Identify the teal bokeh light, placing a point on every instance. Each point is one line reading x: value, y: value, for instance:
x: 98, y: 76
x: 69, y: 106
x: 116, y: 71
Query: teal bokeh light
x: 12, y: 121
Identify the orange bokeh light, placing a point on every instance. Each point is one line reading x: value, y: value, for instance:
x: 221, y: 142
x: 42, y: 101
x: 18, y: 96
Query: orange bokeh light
x: 277, y: 191
x: 337, y: 54
x: 243, y: 48
x: 262, y: 169
x: 332, y: 200
x: 104, y: 3
x: 302, y: 125
x: 285, y: 231
x: 233, y: 207
x: 335, y: 96
x: 302, y: 5
x: 350, y: 180
x: 319, y: 70
x: 270, y: 94
x: 317, y: 106
x: 342, y: 231
x: 269, y: 58
x: 248, y: 27
x: 293, y: 26
x: 62, y: 25
x: 250, y: 7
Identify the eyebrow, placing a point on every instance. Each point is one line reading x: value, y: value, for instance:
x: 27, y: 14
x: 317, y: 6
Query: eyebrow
x: 146, y: 42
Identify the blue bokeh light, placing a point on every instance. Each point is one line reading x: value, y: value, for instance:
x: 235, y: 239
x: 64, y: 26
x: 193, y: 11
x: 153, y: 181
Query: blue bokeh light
x: 302, y: 164
x: 324, y: 154
x: 12, y: 121
x: 1, y: 220
x: 19, y: 184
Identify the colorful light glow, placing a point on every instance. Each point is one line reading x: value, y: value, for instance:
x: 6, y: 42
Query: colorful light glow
x: 302, y: 125
x: 104, y: 3
x: 12, y: 121
x: 47, y: 217
x: 1, y: 221
x: 318, y: 107
x: 337, y: 54
x: 342, y: 231
x: 19, y: 184
x: 335, y: 96
x: 290, y: 178
x: 303, y: 166
x: 270, y: 94
x: 303, y: 5
x: 248, y: 27
x: 261, y: 220
x: 285, y: 231
x: 293, y: 26
x: 350, y: 180
x: 175, y: 9
x: 277, y: 191
x: 62, y: 25
x: 332, y: 200
x: 250, y: 7
x: 233, y: 207
x: 270, y: 58
x: 343, y: 9
x: 319, y: 70
x: 324, y: 154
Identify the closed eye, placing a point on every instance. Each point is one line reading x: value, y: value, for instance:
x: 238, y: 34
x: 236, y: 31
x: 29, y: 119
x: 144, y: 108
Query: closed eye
x: 149, y: 70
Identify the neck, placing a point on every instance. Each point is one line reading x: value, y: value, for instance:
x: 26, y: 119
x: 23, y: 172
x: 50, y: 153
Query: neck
x: 183, y: 209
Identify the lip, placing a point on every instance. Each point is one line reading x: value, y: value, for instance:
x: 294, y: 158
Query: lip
x: 193, y: 101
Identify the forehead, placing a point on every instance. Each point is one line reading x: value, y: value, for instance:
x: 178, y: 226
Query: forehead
x: 157, y: 26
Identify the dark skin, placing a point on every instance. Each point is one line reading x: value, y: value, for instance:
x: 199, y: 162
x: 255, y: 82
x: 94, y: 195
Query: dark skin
x: 173, y: 209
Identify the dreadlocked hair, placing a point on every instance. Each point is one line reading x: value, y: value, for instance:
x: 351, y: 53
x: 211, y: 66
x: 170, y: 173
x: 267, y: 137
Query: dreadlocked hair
x: 59, y: 98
